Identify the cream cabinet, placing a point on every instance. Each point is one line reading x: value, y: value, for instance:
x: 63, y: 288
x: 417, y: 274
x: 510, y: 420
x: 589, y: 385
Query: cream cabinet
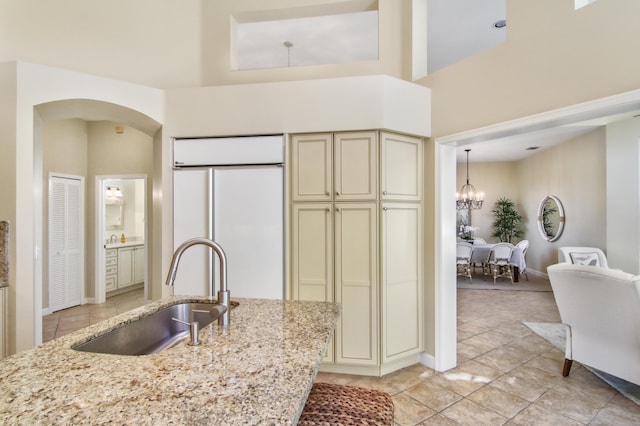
x: 401, y: 280
x: 335, y: 167
x: 356, y: 231
x: 111, y: 269
x: 130, y: 265
x: 401, y: 167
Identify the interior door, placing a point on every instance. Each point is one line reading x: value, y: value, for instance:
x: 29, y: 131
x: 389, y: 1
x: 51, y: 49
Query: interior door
x: 66, y: 236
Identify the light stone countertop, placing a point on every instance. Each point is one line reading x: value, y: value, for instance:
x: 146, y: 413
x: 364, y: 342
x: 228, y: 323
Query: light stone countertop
x: 258, y: 371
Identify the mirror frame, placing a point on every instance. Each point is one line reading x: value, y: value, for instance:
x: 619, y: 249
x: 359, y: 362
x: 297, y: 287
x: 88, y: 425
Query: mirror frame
x: 560, y: 214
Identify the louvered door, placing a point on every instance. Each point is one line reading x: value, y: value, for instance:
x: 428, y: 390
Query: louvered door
x: 66, y: 248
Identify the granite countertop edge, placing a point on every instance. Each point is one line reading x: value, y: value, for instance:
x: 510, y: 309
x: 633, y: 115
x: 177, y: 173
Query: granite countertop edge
x: 259, y: 370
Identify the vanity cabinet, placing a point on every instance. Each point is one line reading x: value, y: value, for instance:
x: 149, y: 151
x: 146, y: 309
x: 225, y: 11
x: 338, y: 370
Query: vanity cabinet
x: 130, y: 265
x: 124, y: 266
x: 111, y: 269
x: 356, y: 230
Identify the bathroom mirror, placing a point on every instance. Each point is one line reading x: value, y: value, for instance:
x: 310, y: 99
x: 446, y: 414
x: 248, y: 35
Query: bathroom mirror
x: 550, y: 218
x: 114, y: 216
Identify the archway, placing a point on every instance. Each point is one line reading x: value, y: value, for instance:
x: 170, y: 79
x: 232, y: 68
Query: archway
x: 87, y: 111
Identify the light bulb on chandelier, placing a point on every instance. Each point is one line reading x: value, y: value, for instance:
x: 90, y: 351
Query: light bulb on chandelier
x: 468, y: 197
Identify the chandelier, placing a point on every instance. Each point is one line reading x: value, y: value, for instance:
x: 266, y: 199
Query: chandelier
x: 468, y: 197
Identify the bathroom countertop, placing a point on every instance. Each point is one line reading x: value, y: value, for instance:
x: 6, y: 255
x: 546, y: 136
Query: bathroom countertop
x: 259, y: 370
x: 125, y: 244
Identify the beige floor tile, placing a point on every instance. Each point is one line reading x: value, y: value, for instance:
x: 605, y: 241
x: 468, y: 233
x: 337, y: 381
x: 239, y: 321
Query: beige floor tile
x: 438, y: 420
x: 466, y: 378
x: 534, y: 415
x: 433, y: 395
x: 408, y: 411
x: 519, y: 387
x: 571, y: 406
x: 466, y: 412
x: 503, y: 403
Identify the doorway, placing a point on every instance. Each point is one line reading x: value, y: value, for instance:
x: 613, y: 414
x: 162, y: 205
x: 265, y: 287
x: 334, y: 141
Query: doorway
x: 121, y: 235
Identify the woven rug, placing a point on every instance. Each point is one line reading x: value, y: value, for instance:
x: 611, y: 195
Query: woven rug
x: 480, y: 282
x: 555, y: 334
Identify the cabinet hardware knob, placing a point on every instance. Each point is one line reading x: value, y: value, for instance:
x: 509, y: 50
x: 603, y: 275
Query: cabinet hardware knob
x: 385, y: 208
x: 337, y: 209
x: 337, y: 192
x: 384, y: 192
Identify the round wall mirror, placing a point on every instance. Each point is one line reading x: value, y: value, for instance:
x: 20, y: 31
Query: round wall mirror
x: 550, y: 218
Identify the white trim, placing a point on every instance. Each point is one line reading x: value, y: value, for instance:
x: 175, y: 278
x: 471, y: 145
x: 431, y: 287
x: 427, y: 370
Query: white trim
x: 590, y: 110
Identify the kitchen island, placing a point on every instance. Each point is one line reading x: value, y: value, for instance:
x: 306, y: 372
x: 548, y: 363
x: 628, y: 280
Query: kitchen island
x: 259, y: 370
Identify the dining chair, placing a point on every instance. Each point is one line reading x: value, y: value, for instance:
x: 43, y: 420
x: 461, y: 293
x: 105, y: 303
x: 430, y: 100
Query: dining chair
x: 499, y: 261
x: 463, y: 259
x: 524, y: 246
x: 474, y: 265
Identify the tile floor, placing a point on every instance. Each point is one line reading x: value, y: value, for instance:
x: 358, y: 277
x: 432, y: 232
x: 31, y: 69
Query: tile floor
x: 64, y: 322
x: 506, y: 374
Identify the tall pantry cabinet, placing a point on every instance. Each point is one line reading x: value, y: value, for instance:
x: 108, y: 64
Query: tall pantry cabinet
x: 357, y: 240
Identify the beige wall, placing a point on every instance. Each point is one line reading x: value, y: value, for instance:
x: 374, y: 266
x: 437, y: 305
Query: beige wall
x: 147, y: 42
x: 181, y: 44
x: 554, y: 56
x: 496, y: 180
x: 574, y: 171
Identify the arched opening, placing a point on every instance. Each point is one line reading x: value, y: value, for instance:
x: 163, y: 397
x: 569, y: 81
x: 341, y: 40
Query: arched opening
x: 90, y: 124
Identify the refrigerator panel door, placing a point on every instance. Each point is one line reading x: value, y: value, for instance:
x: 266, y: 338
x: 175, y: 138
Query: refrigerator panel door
x: 248, y: 224
x: 192, y: 218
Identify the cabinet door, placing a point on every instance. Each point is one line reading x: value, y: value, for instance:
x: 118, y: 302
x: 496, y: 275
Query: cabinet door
x: 401, y: 280
x: 312, y: 252
x: 312, y: 256
x: 356, y: 283
x: 355, y: 166
x: 138, y: 264
x: 125, y: 267
x: 311, y: 167
x: 401, y: 167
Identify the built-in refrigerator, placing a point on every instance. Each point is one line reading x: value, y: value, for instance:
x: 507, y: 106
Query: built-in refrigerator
x: 230, y: 190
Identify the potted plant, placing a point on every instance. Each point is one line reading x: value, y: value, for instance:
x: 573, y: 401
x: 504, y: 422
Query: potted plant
x: 506, y: 224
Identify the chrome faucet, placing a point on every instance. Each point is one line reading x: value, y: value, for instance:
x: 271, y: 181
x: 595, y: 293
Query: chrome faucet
x: 113, y: 239
x: 223, y: 293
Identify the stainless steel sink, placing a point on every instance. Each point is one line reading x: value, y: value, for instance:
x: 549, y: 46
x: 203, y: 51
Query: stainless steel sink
x: 156, y: 332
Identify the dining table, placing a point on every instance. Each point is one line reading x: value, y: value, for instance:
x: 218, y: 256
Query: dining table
x: 481, y: 255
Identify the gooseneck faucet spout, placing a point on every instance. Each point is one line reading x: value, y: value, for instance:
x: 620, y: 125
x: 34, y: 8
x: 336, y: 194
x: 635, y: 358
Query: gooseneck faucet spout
x: 223, y: 293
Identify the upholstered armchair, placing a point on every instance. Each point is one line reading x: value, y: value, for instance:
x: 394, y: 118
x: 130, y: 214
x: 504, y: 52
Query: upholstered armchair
x: 583, y: 256
x: 600, y: 309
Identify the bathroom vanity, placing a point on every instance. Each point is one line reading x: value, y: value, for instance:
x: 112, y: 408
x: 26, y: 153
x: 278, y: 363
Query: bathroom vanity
x: 259, y: 370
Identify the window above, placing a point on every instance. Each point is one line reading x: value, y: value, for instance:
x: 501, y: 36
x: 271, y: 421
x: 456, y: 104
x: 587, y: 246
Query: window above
x: 316, y: 40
